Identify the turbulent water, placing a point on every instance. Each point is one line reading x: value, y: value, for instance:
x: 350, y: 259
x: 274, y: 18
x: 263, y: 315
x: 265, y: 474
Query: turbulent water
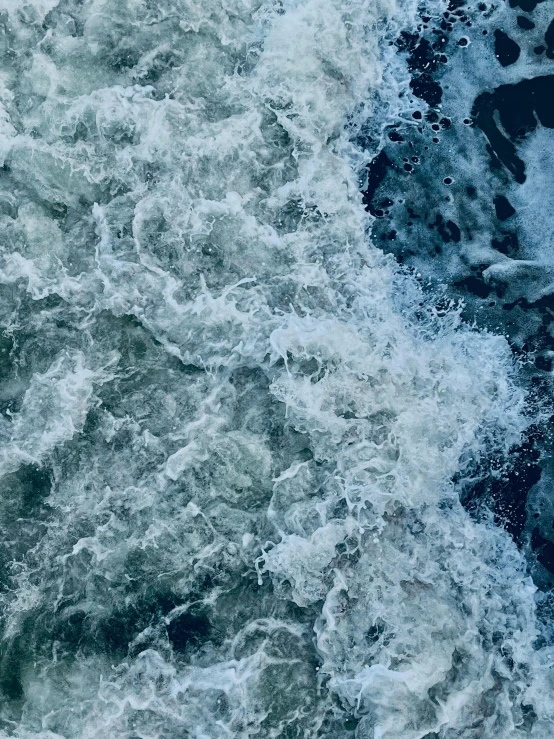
x: 235, y: 434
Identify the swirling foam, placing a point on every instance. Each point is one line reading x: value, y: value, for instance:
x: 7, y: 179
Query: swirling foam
x: 231, y: 424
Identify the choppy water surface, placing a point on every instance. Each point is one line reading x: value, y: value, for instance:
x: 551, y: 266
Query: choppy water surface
x: 245, y: 454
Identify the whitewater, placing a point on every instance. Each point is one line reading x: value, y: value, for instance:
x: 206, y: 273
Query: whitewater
x: 234, y: 432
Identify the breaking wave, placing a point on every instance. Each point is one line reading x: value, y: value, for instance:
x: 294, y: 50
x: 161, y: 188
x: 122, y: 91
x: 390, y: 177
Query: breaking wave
x: 234, y: 431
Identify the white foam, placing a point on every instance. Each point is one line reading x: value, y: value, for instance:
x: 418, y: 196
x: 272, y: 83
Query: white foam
x: 245, y: 254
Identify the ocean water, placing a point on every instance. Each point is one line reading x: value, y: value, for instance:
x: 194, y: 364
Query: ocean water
x: 240, y: 431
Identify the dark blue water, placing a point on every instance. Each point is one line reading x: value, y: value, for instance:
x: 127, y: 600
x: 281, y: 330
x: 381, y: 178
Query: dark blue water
x: 484, y: 229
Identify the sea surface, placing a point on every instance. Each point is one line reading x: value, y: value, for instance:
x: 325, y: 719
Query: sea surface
x: 276, y: 352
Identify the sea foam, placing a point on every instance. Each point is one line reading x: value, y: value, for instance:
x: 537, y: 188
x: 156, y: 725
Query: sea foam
x: 231, y: 424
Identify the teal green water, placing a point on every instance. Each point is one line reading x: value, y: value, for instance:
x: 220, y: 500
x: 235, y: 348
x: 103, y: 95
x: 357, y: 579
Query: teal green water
x: 229, y: 423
